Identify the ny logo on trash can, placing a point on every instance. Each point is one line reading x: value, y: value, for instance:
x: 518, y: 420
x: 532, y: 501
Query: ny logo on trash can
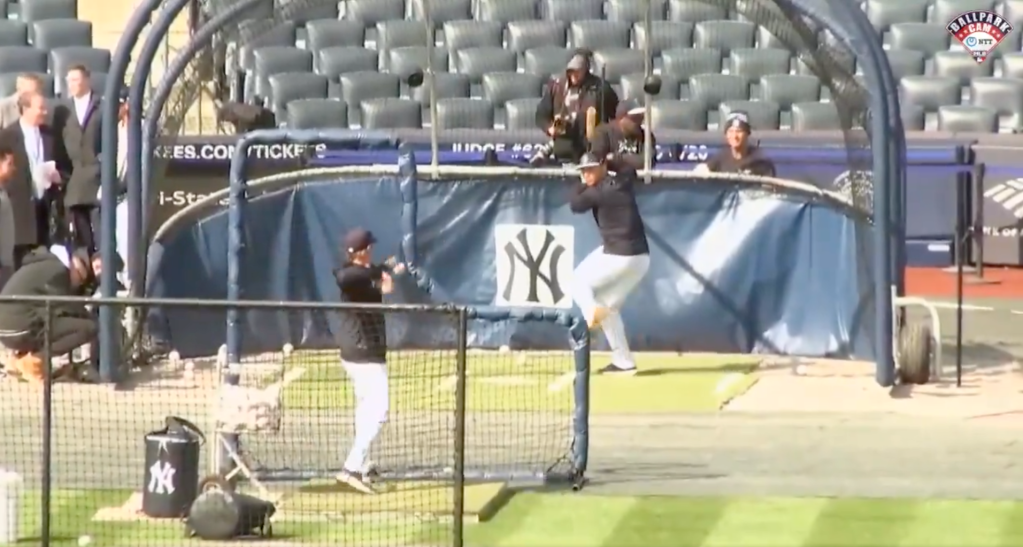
x: 534, y: 265
x: 161, y: 478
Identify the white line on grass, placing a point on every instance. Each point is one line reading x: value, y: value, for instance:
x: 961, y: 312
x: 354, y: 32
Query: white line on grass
x: 727, y: 382
x: 561, y: 382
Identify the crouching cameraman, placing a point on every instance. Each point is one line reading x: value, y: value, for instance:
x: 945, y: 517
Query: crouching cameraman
x: 23, y: 325
x: 571, y: 107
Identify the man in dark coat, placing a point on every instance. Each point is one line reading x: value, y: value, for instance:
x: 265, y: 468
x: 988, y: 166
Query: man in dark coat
x: 78, y: 123
x: 35, y: 188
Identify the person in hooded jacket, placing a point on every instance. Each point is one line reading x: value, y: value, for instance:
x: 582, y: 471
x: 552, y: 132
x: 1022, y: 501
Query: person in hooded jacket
x: 43, y: 272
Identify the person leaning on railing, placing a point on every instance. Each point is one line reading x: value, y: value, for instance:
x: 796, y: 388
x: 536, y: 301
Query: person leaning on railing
x: 741, y: 156
x: 622, y: 140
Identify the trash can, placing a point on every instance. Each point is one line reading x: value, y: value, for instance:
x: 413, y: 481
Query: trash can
x: 171, y: 481
x: 11, y: 489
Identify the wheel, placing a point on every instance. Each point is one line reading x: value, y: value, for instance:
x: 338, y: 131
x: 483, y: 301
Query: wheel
x: 213, y: 483
x: 914, y: 358
x: 578, y: 481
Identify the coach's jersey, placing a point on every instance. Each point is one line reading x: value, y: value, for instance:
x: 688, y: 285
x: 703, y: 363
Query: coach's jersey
x: 613, y: 203
x: 753, y: 162
x: 363, y: 335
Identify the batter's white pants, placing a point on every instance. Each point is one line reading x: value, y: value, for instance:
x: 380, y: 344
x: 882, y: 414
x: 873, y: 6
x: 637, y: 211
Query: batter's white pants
x: 606, y: 280
x: 369, y: 382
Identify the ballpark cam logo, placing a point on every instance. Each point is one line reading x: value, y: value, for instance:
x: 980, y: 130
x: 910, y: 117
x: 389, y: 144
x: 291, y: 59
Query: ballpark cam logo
x: 534, y: 265
x: 979, y: 32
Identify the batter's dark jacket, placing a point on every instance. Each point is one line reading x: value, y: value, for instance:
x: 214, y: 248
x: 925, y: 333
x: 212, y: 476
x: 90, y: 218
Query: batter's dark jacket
x: 613, y: 203
x: 362, y: 336
x: 41, y: 274
x: 609, y: 138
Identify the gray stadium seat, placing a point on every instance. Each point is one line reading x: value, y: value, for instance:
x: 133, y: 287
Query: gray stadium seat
x: 55, y: 33
x: 9, y: 79
x: 943, y: 11
x: 685, y: 63
x: 755, y: 63
x: 885, y: 13
x: 40, y: 10
x: 448, y: 85
x: 617, y: 62
x: 94, y: 59
x: 714, y: 89
x: 967, y: 119
x: 371, y: 12
x: 546, y: 61
x: 290, y: 86
x: 391, y: 114
x: 1004, y: 95
x: 1012, y: 11
x: 520, y: 114
x: 459, y: 35
x: 914, y: 118
x: 724, y: 35
x: 633, y: 12
x: 906, y: 62
x: 396, y: 34
x: 477, y: 61
x: 505, y: 11
x: 258, y: 33
x: 687, y: 10
x: 317, y: 114
x: 22, y: 59
x: 924, y: 37
x: 763, y: 115
x: 632, y: 87
x: 324, y: 34
x: 663, y: 35
x: 1012, y: 65
x: 13, y: 33
x: 442, y: 11
x: 464, y: 114
x: 357, y: 87
x: 572, y: 10
x: 501, y: 87
x: 788, y: 89
x: 406, y: 60
x: 683, y: 115
x: 767, y: 40
x: 526, y: 35
x: 930, y: 92
x: 276, y: 60
x: 815, y: 116
x: 259, y: 9
x: 959, y: 64
x: 335, y: 61
x: 594, y: 35
x: 301, y: 12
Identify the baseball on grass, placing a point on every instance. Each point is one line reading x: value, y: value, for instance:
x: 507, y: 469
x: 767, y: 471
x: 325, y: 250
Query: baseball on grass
x: 505, y: 349
x: 801, y: 370
x: 288, y: 348
x: 174, y: 356
x: 84, y: 540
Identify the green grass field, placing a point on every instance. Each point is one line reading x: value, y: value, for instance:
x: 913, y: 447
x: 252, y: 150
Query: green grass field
x: 574, y: 520
x: 522, y: 381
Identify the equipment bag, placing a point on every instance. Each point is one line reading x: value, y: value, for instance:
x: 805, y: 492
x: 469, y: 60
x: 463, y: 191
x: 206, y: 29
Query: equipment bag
x: 222, y: 515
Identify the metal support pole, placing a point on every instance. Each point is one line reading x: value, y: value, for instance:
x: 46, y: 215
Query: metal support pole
x: 648, y: 70
x: 45, y: 525
x: 109, y: 325
x: 460, y: 411
x: 962, y: 193
x: 431, y: 81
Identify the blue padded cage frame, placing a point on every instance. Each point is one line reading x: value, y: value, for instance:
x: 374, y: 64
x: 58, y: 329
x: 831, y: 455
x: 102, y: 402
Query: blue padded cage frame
x: 575, y: 327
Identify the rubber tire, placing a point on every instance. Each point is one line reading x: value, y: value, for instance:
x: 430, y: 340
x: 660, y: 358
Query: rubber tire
x: 915, y: 350
x: 215, y: 482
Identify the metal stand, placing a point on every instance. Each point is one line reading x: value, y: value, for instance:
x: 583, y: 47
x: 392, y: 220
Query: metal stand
x: 969, y: 228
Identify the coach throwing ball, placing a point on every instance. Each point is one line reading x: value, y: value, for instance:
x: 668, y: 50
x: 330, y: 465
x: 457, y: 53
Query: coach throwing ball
x: 363, y: 342
x: 604, y: 279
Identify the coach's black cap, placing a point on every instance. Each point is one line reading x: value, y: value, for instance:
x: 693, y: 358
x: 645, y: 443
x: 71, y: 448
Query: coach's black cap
x: 358, y: 239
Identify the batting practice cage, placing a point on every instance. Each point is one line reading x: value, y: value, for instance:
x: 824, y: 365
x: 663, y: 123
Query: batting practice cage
x: 411, y: 115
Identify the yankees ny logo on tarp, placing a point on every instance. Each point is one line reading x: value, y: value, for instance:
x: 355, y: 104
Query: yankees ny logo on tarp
x: 161, y: 478
x: 534, y: 265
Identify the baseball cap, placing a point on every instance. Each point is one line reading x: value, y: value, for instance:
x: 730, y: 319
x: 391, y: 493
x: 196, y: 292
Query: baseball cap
x: 579, y: 61
x: 589, y: 160
x: 358, y: 239
x: 628, y: 109
x: 739, y: 120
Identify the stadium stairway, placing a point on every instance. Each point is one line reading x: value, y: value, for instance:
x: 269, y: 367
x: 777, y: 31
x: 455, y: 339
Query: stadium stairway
x: 110, y: 17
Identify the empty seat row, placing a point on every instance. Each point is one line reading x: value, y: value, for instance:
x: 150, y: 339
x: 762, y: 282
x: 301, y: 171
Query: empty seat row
x: 466, y: 113
x: 883, y: 14
x: 57, y: 61
x: 922, y: 96
x: 46, y: 35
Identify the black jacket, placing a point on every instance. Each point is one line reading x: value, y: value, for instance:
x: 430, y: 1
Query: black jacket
x: 609, y: 138
x: 80, y: 150
x: 754, y: 162
x: 34, y: 222
x: 41, y: 274
x: 362, y: 337
x: 613, y: 202
x: 593, y: 92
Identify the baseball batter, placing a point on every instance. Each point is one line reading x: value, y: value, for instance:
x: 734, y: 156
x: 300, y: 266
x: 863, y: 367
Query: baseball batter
x: 604, y: 279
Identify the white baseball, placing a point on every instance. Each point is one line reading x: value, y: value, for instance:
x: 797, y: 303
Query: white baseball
x: 174, y: 356
x: 84, y: 540
x: 288, y: 348
x: 189, y: 366
x: 505, y: 349
x: 801, y: 370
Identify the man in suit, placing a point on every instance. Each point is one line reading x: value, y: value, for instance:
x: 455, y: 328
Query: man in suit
x: 34, y: 190
x: 6, y: 215
x: 78, y: 126
x: 9, y: 111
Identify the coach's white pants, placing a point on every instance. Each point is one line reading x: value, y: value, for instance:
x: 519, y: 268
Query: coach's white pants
x: 369, y: 382
x: 606, y: 280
